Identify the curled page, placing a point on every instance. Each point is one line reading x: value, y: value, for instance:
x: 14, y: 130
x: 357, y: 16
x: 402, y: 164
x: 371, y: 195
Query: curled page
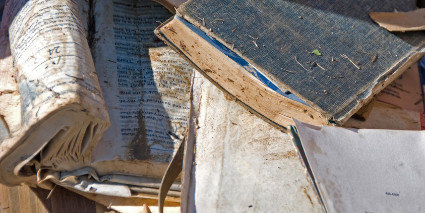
x: 146, y: 88
x: 400, y: 21
x: 63, y: 114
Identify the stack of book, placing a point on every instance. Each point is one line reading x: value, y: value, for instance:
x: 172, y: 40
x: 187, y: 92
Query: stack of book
x: 112, y: 99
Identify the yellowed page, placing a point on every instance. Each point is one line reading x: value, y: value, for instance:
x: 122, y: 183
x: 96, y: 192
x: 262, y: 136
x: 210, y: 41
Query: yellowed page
x: 62, y: 110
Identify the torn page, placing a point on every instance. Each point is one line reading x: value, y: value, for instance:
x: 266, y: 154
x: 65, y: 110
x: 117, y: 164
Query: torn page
x: 366, y: 170
x: 400, y: 21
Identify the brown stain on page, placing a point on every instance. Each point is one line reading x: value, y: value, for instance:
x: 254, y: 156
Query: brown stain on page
x: 138, y: 148
x: 308, y: 196
x: 290, y: 154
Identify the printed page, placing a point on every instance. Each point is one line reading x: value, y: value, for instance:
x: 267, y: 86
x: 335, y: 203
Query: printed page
x: 404, y: 92
x: 386, y: 116
x: 366, y: 170
x: 62, y: 110
x: 146, y: 87
x: 52, y: 56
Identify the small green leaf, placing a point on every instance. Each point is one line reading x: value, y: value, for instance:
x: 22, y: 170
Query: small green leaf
x: 316, y: 52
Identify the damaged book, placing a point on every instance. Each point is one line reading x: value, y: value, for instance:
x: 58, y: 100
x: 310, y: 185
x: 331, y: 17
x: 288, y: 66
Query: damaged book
x: 90, y: 98
x: 316, y: 61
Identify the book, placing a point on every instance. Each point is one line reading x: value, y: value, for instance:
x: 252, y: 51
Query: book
x: 318, y: 62
x: 364, y: 170
x: 90, y: 99
x: 246, y: 165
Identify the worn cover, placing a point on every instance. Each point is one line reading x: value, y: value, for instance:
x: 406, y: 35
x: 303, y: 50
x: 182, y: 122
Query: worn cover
x: 329, y: 53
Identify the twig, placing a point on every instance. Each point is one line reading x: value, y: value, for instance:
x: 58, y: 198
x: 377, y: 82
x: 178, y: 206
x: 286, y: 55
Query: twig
x: 375, y: 57
x: 293, y: 72
x: 321, y: 67
x: 219, y: 19
x: 255, y: 43
x: 346, y: 57
x: 300, y: 64
x: 233, y: 30
x: 203, y: 21
x: 253, y: 37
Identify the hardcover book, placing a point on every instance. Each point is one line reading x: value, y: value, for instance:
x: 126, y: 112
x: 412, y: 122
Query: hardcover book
x: 316, y: 61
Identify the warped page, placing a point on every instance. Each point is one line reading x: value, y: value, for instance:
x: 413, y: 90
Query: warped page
x: 366, y: 170
x: 400, y: 21
x: 63, y: 114
x: 171, y: 5
x: 245, y: 165
x: 146, y: 88
x: 10, y: 109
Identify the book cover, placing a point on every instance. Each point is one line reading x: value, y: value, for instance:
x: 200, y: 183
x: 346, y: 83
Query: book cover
x: 329, y: 54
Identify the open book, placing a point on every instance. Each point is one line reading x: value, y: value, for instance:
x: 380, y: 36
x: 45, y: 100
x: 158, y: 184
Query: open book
x: 316, y: 61
x: 90, y: 98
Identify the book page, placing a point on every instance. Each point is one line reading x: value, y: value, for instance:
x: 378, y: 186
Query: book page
x: 386, y: 116
x: 62, y: 111
x: 146, y: 87
x: 10, y: 115
x: 404, y: 92
x: 366, y: 170
x: 51, y: 53
x: 245, y: 165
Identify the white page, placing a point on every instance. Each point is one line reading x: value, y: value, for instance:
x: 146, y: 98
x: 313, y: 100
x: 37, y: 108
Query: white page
x: 366, y: 170
x: 241, y: 162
